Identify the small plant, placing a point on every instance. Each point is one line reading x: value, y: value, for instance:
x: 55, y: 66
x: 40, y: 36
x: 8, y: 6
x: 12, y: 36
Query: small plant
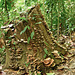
x: 27, y: 64
x: 38, y: 23
x: 46, y: 52
x: 14, y: 43
x: 9, y: 41
x: 32, y: 34
x: 33, y: 18
x: 23, y: 18
x: 2, y: 49
x: 28, y: 40
x: 31, y: 37
x: 27, y: 27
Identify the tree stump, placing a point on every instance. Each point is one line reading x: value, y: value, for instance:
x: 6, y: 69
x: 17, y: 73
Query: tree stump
x: 42, y: 50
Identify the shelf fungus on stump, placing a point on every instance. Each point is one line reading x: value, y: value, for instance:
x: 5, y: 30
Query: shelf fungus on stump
x: 48, y: 62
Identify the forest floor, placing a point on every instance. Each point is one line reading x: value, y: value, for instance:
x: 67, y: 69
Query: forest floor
x: 67, y: 68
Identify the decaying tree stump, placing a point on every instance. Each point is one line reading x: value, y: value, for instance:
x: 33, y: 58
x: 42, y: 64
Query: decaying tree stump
x: 42, y: 51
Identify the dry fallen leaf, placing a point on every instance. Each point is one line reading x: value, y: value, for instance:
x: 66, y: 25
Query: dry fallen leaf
x: 0, y: 68
x: 72, y: 51
x: 48, y: 62
x: 56, y: 54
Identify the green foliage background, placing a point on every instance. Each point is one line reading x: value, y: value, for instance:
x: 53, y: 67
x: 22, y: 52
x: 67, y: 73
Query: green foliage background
x: 59, y: 14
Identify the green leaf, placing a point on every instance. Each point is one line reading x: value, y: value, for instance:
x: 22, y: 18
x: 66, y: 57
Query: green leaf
x: 23, y: 18
x: 28, y: 40
x: 50, y: 73
x: 35, y: 14
x: 45, y: 50
x: 32, y: 34
x: 2, y: 49
x: 38, y: 74
x: 38, y: 23
x: 14, y: 33
x: 9, y: 37
x: 28, y: 27
x: 46, y: 43
x: 14, y: 43
x: 13, y: 48
x: 40, y: 18
x: 9, y: 41
x: 45, y: 56
x: 33, y: 18
x: 27, y: 64
x: 24, y: 30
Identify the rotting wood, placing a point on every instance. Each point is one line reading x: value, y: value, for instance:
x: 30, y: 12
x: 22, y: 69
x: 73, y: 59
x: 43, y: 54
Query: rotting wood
x: 21, y: 52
